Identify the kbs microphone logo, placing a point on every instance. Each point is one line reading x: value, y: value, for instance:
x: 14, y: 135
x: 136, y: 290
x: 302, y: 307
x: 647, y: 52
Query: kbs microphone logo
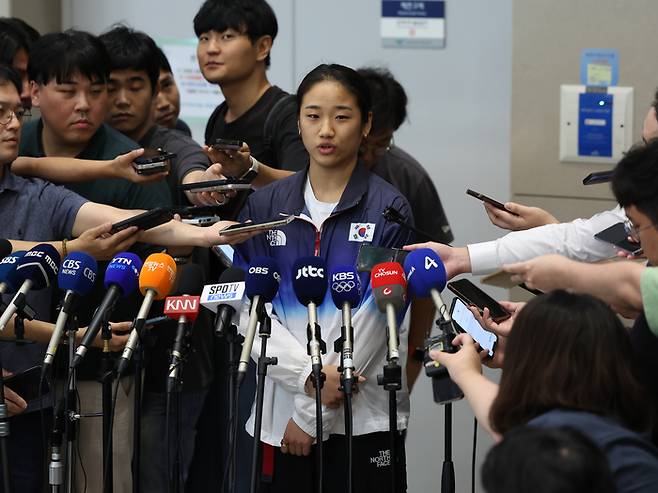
x: 264, y: 271
x: 342, y: 282
x: 310, y: 271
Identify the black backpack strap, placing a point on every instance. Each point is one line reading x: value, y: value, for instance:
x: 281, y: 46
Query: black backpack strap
x: 268, y: 127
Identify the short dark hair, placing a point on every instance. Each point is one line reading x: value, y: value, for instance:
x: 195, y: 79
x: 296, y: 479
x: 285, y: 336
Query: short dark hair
x: 389, y: 99
x: 60, y: 55
x: 9, y: 76
x: 31, y: 34
x: 255, y: 18
x: 163, y: 61
x: 132, y: 50
x: 345, y: 76
x: 569, y: 351
x: 635, y: 179
x: 559, y: 460
x: 12, y: 39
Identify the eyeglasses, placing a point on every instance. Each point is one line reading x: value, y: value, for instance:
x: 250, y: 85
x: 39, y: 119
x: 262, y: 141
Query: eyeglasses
x: 6, y: 115
x: 634, y: 231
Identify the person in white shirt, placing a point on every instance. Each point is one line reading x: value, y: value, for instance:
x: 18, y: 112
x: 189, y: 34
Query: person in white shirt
x: 574, y: 239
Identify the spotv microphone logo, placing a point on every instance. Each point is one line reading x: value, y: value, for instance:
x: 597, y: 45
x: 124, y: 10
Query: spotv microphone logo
x: 310, y: 271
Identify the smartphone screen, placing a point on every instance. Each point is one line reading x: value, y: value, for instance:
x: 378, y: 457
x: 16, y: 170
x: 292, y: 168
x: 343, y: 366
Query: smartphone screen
x: 369, y: 256
x: 225, y: 254
x: 471, y: 294
x: 467, y: 322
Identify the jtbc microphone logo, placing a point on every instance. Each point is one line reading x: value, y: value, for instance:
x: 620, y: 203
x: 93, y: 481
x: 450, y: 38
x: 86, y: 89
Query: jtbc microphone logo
x: 310, y: 271
x: 264, y: 271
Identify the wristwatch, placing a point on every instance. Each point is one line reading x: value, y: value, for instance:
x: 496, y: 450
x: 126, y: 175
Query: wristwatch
x: 252, y: 172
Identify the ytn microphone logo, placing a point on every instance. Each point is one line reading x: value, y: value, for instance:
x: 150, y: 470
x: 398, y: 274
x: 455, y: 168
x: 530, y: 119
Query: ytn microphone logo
x: 264, y: 271
x: 310, y: 271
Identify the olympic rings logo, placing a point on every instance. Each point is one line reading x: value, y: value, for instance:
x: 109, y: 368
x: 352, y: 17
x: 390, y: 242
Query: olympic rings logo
x: 343, y: 286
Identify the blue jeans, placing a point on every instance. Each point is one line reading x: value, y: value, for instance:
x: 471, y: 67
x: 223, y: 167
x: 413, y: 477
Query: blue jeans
x: 155, y: 470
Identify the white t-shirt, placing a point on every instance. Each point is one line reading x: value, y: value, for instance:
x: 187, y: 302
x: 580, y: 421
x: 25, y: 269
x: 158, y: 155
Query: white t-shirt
x: 319, y: 211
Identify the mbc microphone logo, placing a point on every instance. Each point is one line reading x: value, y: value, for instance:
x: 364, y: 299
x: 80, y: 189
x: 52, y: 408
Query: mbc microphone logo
x: 36, y: 253
x: 310, y: 271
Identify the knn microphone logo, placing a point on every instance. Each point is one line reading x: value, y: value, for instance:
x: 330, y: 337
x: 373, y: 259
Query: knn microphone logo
x: 361, y: 232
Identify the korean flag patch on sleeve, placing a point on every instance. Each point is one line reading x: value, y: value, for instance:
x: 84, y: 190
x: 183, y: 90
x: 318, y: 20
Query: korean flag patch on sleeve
x: 361, y: 232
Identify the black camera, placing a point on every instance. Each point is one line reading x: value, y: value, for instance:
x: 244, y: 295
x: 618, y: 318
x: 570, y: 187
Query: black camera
x: 444, y: 389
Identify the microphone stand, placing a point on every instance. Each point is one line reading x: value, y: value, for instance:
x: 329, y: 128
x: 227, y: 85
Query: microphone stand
x: 391, y: 380
x: 107, y: 379
x: 70, y: 407
x: 234, y: 342
x: 138, y: 359
x: 315, y: 348
x: 343, y: 345
x: 4, y: 437
x: 56, y: 468
x: 264, y: 332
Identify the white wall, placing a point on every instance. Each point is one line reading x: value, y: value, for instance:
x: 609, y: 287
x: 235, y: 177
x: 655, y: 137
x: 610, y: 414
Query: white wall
x: 459, y: 120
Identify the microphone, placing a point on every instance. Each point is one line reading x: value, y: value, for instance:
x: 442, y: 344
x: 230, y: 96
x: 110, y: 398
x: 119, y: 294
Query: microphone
x: 389, y: 288
x: 121, y: 279
x: 76, y: 278
x: 5, y: 248
x: 184, y: 309
x: 9, y: 280
x: 225, y: 299
x: 261, y: 285
x: 156, y: 279
x: 427, y: 277
x: 310, y: 286
x: 37, y: 269
x: 346, y: 294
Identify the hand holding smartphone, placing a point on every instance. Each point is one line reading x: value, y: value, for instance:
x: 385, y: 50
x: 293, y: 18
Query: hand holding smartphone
x: 227, y: 145
x: 259, y: 227
x: 153, y: 161
x: 470, y: 294
x: 489, y: 200
x: 145, y: 220
x: 465, y: 322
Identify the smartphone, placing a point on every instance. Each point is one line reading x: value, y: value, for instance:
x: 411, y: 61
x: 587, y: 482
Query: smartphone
x: 262, y: 226
x: 617, y: 235
x: 193, y: 211
x: 26, y: 384
x: 488, y: 200
x: 227, y: 145
x: 216, y: 185
x: 153, y: 161
x: 369, y: 256
x: 224, y: 253
x: 202, y: 220
x: 145, y: 220
x: 598, y: 177
x: 465, y: 321
x: 470, y: 294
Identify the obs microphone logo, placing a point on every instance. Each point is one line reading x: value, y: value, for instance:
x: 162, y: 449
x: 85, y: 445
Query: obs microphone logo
x: 310, y: 271
x: 343, y: 282
x: 263, y: 271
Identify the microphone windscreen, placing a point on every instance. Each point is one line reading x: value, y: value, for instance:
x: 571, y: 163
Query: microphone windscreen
x: 39, y: 265
x: 159, y: 274
x: 387, y: 273
x: 123, y: 271
x: 78, y: 273
x: 425, y: 271
x: 5, y: 248
x: 263, y: 278
x: 232, y: 274
x: 345, y: 286
x: 8, y: 274
x: 309, y: 280
x: 190, y: 280
x: 393, y: 294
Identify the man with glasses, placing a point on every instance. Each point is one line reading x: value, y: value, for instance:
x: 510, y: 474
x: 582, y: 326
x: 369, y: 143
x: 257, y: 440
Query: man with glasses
x: 574, y: 239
